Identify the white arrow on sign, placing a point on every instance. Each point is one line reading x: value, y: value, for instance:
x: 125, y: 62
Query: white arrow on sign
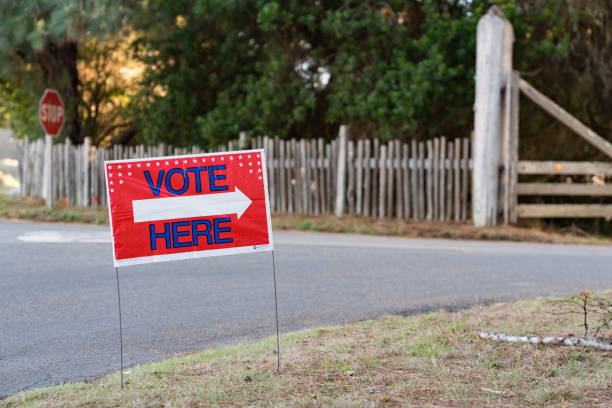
x: 204, y: 205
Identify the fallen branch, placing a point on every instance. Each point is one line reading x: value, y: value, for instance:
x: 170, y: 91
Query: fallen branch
x: 493, y: 391
x: 601, y: 344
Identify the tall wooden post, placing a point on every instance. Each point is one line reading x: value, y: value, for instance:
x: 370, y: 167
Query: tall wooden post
x: 493, y: 64
x: 510, y: 128
x: 341, y: 179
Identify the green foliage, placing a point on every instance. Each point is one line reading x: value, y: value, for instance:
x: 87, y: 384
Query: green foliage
x: 193, y: 51
x: 108, y: 81
x: 18, y: 109
x: 299, y: 69
x: 39, y: 48
x: 401, y: 68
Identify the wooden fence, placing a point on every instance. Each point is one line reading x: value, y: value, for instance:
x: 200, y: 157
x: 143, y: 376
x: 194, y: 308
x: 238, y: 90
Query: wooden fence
x: 497, y: 168
x: 417, y: 180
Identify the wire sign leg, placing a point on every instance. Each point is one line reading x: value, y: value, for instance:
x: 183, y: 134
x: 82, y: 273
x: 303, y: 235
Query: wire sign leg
x: 120, y: 324
x: 276, y: 311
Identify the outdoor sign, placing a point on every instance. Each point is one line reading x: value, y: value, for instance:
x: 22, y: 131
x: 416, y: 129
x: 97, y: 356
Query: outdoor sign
x: 183, y: 207
x: 51, y: 112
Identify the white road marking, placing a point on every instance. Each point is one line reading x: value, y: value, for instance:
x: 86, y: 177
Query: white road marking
x: 101, y: 237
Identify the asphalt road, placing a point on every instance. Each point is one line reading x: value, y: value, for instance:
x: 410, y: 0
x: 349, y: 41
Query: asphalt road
x: 58, y: 300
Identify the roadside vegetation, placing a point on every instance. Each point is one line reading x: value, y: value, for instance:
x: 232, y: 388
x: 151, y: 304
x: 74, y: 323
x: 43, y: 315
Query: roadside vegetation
x: 33, y: 209
x: 432, y: 359
x: 435, y: 229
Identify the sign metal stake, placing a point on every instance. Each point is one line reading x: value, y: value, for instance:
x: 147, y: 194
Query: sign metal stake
x: 120, y: 325
x: 276, y: 311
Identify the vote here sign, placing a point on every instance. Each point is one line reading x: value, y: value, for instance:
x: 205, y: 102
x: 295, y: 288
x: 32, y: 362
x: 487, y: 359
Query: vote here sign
x: 182, y: 207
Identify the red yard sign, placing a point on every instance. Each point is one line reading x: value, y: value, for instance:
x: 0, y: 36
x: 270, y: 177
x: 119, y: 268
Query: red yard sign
x: 182, y: 207
x: 51, y: 112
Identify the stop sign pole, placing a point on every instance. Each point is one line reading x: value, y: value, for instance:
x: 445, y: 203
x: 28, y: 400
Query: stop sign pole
x: 51, y: 117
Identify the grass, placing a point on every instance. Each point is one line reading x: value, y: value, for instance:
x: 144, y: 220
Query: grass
x: 429, y: 229
x: 432, y: 359
x: 33, y: 208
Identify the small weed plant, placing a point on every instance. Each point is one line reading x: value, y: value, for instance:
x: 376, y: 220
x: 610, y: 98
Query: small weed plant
x: 595, y: 312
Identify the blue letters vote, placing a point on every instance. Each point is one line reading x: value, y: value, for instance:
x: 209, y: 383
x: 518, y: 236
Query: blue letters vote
x: 182, y: 183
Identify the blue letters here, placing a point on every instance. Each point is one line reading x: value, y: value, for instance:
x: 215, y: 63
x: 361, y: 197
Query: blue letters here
x: 176, y: 234
x: 206, y: 231
x: 154, y: 236
x: 216, y: 223
x: 209, y: 230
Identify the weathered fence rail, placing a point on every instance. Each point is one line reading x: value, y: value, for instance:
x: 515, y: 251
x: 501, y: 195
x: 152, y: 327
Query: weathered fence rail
x: 551, y: 168
x: 417, y: 180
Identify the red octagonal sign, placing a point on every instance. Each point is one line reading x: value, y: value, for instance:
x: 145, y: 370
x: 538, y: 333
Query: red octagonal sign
x: 51, y: 112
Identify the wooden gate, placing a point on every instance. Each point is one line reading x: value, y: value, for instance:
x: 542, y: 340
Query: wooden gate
x: 573, y: 168
x: 496, y: 166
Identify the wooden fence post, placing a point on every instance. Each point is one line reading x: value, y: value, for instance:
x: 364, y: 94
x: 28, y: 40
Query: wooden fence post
x: 85, y: 170
x: 303, y: 171
x: 493, y: 55
x: 68, y: 176
x: 388, y: 163
x: 367, y: 189
x: 341, y: 175
x: 359, y: 174
x: 513, y: 147
x: 350, y: 190
x: 48, y: 171
x: 429, y: 177
x: 242, y: 142
x: 508, y: 196
x: 40, y: 158
x: 382, y: 183
x: 25, y: 167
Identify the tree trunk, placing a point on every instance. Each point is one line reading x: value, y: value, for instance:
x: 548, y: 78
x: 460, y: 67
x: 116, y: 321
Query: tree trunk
x: 58, y: 63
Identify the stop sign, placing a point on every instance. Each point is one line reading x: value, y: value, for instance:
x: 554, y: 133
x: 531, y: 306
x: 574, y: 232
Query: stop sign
x: 51, y: 112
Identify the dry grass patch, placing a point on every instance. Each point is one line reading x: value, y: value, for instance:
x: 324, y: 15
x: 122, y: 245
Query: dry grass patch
x: 424, y: 360
x: 33, y: 208
x: 429, y: 229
